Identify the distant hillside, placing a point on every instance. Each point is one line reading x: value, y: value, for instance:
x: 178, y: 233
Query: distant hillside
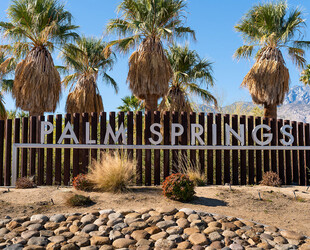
x: 296, y: 106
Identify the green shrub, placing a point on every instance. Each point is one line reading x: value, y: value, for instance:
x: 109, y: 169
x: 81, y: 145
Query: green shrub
x: 178, y: 187
x: 79, y: 201
x: 80, y: 182
x: 271, y: 179
x: 25, y: 182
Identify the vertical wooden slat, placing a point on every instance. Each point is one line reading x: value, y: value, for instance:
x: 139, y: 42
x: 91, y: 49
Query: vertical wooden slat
x: 175, y: 153
x: 8, y: 152
x: 148, y: 152
x: 301, y: 163
x: 280, y: 152
x: 184, y: 137
x: 84, y: 155
x: 226, y: 153
x: 288, y: 162
x: 201, y: 120
x: 94, y: 132
x: 41, y: 155
x: 130, y: 134
x: 266, y: 152
x: 218, y: 171
x: 193, y: 153
x: 1, y: 152
x: 307, y: 159
x: 235, y: 160
x: 274, y: 131
x: 121, y: 120
x: 209, y: 152
x: 251, y: 152
x: 24, y: 155
x: 16, y: 140
x: 139, y: 151
x: 112, y: 124
x: 295, y: 154
x: 33, y: 133
x: 166, y: 142
x: 58, y: 151
x: 157, y: 152
x: 243, y: 170
x: 49, y: 155
x: 76, y: 152
x: 258, y: 154
x: 103, y: 128
x: 67, y: 156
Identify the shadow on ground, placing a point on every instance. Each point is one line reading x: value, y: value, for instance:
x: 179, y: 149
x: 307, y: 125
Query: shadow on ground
x: 209, y: 202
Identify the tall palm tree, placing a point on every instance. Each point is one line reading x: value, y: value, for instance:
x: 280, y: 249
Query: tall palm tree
x: 270, y: 27
x: 131, y: 103
x: 192, y: 75
x: 7, y: 65
x: 87, y: 60
x: 35, y: 28
x: 148, y: 23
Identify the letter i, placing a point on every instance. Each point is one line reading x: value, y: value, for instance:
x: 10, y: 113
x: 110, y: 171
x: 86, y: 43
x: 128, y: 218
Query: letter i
x: 214, y: 131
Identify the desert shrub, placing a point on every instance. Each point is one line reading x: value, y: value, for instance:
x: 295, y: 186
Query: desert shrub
x: 81, y: 182
x: 178, y: 187
x: 271, y: 179
x: 79, y: 201
x: 113, y: 173
x: 25, y: 182
x: 192, y: 170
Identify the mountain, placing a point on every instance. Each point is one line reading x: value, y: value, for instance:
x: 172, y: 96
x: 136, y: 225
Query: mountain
x: 296, y: 106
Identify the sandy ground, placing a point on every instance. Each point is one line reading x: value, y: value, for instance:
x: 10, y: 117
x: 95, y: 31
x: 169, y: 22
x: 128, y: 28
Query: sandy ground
x: 277, y: 207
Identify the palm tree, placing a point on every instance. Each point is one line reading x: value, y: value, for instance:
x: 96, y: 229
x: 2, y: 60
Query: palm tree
x: 87, y: 60
x: 269, y: 27
x: 7, y: 65
x: 148, y: 23
x: 35, y: 28
x: 131, y: 103
x: 305, y: 75
x: 191, y: 74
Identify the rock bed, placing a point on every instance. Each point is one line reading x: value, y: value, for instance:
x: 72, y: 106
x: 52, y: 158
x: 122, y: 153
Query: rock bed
x: 165, y: 228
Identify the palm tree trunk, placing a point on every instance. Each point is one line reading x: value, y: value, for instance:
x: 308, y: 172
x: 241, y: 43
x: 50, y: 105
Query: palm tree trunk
x: 151, y: 103
x: 270, y: 111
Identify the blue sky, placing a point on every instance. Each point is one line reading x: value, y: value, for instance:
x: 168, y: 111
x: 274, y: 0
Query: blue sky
x: 213, y: 22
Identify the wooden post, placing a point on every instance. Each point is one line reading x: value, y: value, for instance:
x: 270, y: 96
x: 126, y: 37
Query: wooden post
x: 295, y: 154
x: 103, y: 129
x: 307, y: 159
x: 67, y: 156
x: 301, y: 163
x: 1, y: 151
x: 266, y: 152
x: 258, y: 154
x: 139, y: 151
x: 288, y: 162
x: 274, y: 131
x: 130, y: 134
x: 33, y: 139
x: 148, y: 152
x: 184, y: 137
x: 175, y: 152
x: 94, y: 132
x: 193, y: 153
x: 227, y: 163
x: 41, y: 158
x: 218, y: 171
x: 8, y: 153
x: 166, y: 142
x: 49, y: 156
x: 251, y: 152
x: 201, y: 120
x: 209, y: 152
x: 16, y: 140
x: 76, y: 152
x: 24, y: 155
x: 58, y: 151
x: 243, y: 170
x: 280, y: 152
x: 157, y: 153
x: 235, y: 159
x: 84, y: 155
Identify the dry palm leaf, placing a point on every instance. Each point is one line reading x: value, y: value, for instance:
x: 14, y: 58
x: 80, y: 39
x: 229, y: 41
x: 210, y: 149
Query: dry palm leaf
x: 36, y: 78
x: 85, y: 97
x: 149, y: 70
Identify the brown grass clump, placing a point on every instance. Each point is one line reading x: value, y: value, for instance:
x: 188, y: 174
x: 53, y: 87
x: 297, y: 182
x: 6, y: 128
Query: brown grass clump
x: 33, y: 75
x: 268, y: 79
x: 271, y: 179
x: 85, y: 97
x: 113, y: 173
x: 25, y: 182
x: 192, y: 170
x: 77, y: 200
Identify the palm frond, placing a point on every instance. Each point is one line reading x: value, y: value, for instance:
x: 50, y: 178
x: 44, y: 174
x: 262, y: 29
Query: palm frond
x: 245, y: 51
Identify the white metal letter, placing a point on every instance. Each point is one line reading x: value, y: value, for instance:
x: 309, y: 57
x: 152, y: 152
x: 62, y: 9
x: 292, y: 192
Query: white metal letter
x: 88, y: 141
x: 121, y: 131
x: 229, y: 130
x: 71, y: 135
x: 153, y: 131
x: 44, y: 132
x: 284, y: 132
x: 196, y: 135
x: 174, y: 133
x: 268, y: 136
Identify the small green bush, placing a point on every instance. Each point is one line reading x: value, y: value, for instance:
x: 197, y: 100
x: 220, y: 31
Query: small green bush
x: 271, y: 179
x: 25, y: 182
x: 79, y: 201
x: 178, y: 187
x: 80, y: 182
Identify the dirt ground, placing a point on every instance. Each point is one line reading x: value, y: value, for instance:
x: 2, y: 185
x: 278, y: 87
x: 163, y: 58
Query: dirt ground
x: 277, y: 206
